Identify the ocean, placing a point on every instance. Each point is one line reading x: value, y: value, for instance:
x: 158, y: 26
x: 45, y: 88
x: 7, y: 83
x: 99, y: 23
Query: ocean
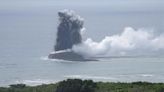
x: 27, y: 36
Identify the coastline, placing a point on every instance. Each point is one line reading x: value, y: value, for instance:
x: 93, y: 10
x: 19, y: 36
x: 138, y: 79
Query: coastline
x: 139, y: 86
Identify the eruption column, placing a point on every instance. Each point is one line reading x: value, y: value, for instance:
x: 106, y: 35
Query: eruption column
x: 69, y: 28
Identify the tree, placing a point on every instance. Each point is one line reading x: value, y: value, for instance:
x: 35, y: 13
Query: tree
x: 76, y: 85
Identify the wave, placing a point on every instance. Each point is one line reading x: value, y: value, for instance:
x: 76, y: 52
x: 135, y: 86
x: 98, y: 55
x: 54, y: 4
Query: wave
x: 45, y: 58
x: 90, y: 77
x: 146, y: 75
x: 137, y: 75
x: 35, y: 82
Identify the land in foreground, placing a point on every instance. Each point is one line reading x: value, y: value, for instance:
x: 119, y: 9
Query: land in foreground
x: 78, y: 85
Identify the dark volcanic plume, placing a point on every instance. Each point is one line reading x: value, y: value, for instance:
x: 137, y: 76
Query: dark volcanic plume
x: 69, y: 28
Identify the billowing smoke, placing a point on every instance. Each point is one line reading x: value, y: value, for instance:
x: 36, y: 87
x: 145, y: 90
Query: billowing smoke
x: 69, y: 28
x: 129, y: 42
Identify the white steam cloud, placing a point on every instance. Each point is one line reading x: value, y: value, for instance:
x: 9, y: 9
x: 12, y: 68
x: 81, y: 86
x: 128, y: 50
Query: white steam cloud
x: 129, y: 42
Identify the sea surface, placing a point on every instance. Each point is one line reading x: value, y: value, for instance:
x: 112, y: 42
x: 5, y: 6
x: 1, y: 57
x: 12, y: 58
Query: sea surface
x: 40, y: 70
x: 27, y: 36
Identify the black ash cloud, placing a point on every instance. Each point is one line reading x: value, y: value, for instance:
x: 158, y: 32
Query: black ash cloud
x: 69, y: 28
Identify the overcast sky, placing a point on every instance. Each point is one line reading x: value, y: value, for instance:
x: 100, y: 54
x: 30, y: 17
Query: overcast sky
x: 120, y: 5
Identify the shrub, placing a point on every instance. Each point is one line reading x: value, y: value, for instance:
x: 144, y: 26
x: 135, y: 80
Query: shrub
x: 76, y: 85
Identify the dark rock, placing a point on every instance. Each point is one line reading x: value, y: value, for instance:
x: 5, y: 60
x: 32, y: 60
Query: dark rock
x: 69, y: 55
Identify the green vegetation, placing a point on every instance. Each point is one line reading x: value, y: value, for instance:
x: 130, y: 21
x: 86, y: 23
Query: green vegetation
x: 130, y: 87
x: 21, y: 88
x: 78, y: 85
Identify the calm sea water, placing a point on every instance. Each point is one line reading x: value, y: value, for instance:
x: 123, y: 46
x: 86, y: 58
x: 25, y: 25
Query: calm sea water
x: 28, y: 36
x: 36, y: 70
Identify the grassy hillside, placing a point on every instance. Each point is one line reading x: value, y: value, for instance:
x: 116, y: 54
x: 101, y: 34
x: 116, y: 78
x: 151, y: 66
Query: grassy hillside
x: 77, y: 85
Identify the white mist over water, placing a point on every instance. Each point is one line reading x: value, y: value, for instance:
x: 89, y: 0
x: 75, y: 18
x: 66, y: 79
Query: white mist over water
x: 129, y: 42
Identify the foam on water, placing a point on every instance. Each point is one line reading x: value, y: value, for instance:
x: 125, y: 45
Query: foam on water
x: 45, y: 58
x: 35, y: 82
x: 146, y: 75
x: 91, y: 77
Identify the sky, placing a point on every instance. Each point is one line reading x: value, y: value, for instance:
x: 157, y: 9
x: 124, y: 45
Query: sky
x: 117, y: 5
